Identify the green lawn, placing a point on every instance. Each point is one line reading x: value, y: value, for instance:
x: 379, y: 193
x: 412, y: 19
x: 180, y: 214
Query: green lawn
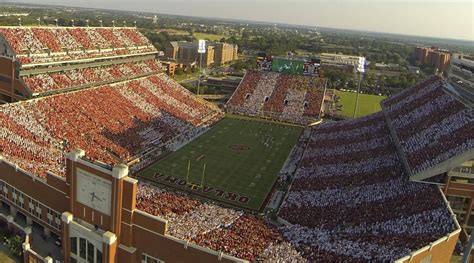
x: 367, y: 103
x: 212, y: 37
x: 239, y: 168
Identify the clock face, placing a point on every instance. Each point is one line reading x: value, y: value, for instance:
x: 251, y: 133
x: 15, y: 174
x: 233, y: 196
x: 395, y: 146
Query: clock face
x: 94, y: 191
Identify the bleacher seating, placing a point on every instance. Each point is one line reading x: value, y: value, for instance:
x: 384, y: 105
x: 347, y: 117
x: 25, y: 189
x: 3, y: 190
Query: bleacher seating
x: 111, y: 123
x: 222, y: 229
x: 431, y: 125
x: 289, y: 98
x: 352, y: 201
x: 52, y: 44
x: 45, y: 82
x: 351, y: 198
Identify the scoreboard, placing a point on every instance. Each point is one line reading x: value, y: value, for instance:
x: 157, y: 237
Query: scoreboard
x: 288, y: 65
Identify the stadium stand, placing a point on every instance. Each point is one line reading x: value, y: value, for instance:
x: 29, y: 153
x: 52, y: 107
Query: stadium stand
x: 430, y: 124
x: 222, y: 229
x: 39, y: 45
x: 44, y: 82
x: 353, y: 168
x: 113, y: 123
x: 284, y: 97
x: 52, y: 58
x: 350, y: 198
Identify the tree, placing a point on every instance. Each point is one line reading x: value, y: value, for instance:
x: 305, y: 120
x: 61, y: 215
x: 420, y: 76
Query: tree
x: 14, y: 244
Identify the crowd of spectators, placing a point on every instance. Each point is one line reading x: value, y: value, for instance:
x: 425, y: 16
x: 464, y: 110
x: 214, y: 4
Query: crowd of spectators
x: 47, y: 44
x: 351, y: 200
x: 112, y: 123
x: 289, y: 98
x: 222, y: 229
x: 45, y: 82
x: 431, y: 125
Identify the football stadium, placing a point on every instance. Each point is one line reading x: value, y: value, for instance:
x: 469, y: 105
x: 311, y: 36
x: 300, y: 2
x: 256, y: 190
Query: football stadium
x: 104, y: 158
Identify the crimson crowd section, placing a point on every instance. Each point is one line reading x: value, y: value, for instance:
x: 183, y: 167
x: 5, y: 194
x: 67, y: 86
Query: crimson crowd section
x: 351, y: 199
x: 34, y: 45
x: 112, y: 123
x: 231, y: 231
x: 290, y: 98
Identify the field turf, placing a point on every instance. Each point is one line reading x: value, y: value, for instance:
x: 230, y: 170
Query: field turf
x: 368, y: 104
x: 242, y: 159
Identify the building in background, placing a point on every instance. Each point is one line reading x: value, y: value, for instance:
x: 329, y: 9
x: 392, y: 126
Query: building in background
x: 461, y: 76
x: 433, y: 56
x: 224, y: 53
x: 187, y: 53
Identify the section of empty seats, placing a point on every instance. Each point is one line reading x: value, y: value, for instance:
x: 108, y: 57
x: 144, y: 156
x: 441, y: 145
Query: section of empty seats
x: 45, y: 82
x: 111, y: 123
x: 352, y: 168
x: 48, y: 44
x: 291, y: 98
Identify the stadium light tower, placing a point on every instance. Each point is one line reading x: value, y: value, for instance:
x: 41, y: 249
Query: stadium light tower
x: 56, y: 22
x: 124, y: 23
x: 87, y: 22
x: 72, y: 22
x: 135, y: 23
x: 19, y: 21
x: 100, y: 22
x: 39, y: 21
x: 201, y: 50
x: 113, y: 23
x: 361, y: 71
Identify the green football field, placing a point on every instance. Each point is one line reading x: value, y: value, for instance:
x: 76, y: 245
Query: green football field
x: 236, y: 162
x: 368, y: 104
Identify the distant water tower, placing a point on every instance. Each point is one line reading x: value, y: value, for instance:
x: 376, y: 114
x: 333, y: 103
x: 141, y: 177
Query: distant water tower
x: 155, y: 19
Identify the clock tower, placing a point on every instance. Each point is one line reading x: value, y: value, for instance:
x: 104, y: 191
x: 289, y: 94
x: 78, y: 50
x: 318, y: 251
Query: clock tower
x: 92, y: 225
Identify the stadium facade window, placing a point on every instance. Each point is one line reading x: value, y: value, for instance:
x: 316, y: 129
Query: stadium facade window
x: 427, y: 259
x: 305, y: 104
x: 4, y: 189
x: 73, y: 245
x: 34, y: 207
x: 53, y: 218
x: 266, y: 98
x: 98, y: 256
x: 82, y: 248
x: 149, y: 259
x: 247, y: 96
x: 85, y: 251
x: 285, y: 102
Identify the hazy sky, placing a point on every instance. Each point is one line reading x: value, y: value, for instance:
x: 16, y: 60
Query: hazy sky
x: 438, y: 18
